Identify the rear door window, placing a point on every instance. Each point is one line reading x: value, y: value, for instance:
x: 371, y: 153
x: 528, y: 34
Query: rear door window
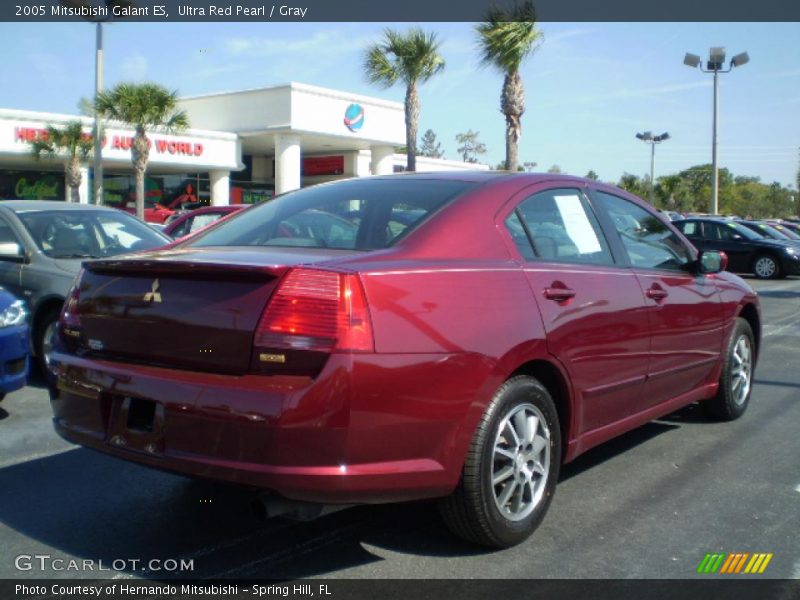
x: 558, y: 225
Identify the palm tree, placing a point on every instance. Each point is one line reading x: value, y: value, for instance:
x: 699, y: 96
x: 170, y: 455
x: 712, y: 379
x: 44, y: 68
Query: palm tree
x: 145, y: 106
x: 74, y: 145
x: 412, y: 58
x: 505, y: 40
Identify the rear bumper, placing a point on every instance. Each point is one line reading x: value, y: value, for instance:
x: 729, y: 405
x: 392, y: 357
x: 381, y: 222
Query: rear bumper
x: 369, y: 429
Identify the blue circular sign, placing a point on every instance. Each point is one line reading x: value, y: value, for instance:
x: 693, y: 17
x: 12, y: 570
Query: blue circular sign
x: 354, y: 117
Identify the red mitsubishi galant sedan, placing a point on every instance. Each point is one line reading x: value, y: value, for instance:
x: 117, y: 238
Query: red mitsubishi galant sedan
x: 454, y: 336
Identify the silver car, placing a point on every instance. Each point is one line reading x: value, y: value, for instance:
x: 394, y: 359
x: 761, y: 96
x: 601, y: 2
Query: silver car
x: 42, y: 246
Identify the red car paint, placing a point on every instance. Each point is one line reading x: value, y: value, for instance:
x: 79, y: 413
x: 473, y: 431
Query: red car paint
x: 449, y: 312
x: 153, y: 211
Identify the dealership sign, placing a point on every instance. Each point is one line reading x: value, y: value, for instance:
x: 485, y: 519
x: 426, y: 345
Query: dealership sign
x: 119, y: 142
x: 214, y: 151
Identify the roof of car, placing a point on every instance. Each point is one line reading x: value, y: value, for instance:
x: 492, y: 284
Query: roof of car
x: 29, y: 205
x: 477, y: 176
x: 222, y: 208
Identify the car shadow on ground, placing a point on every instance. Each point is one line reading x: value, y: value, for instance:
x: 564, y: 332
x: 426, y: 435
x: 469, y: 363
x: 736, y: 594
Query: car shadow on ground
x: 613, y: 448
x: 87, y: 505
x: 3, y: 413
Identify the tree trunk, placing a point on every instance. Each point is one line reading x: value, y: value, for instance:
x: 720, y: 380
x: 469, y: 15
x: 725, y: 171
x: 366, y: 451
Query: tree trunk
x: 412, y: 121
x: 512, y: 104
x: 140, y: 152
x: 72, y: 176
x: 140, y: 194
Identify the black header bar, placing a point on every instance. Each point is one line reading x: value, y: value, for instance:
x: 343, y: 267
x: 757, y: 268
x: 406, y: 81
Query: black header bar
x: 395, y: 11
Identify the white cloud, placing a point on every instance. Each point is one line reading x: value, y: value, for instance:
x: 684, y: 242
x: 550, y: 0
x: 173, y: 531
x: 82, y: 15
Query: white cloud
x: 320, y: 44
x: 565, y: 35
x: 786, y: 74
x: 624, y: 93
x: 49, y: 66
x: 134, y: 68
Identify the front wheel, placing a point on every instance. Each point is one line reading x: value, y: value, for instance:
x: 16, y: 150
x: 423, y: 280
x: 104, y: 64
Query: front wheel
x: 44, y: 338
x: 511, y: 468
x: 736, y: 380
x: 766, y: 267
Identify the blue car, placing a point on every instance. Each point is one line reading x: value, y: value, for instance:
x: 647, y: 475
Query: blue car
x: 14, y: 343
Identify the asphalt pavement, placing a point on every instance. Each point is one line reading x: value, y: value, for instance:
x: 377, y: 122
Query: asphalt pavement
x: 650, y: 504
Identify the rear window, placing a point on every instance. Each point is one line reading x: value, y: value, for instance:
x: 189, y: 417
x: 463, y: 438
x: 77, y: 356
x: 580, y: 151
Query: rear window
x: 361, y: 214
x: 76, y: 233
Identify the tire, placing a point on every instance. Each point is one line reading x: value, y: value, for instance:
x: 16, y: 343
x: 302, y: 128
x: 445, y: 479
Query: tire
x: 2, y: 396
x: 766, y: 266
x: 492, y: 514
x: 45, y: 328
x: 736, y: 380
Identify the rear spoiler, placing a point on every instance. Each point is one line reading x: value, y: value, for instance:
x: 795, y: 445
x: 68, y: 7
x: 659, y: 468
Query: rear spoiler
x: 178, y: 268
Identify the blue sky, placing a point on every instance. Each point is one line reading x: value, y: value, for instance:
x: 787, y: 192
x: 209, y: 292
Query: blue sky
x: 590, y: 86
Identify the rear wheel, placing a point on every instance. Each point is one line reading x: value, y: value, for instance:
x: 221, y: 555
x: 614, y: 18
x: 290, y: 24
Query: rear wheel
x: 511, y: 468
x: 735, y: 382
x: 766, y: 266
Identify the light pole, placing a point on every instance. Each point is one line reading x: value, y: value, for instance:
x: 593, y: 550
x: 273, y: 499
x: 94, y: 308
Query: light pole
x: 97, y: 130
x: 651, y: 139
x: 716, y: 61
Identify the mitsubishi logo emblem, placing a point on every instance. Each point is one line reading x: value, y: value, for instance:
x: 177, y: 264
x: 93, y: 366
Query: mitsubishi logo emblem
x: 153, y: 295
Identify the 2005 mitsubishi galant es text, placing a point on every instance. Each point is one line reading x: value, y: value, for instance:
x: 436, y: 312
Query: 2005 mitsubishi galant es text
x: 454, y: 336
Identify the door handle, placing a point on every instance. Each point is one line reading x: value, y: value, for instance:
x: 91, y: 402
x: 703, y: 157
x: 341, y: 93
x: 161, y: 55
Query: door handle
x: 656, y: 293
x: 558, y: 294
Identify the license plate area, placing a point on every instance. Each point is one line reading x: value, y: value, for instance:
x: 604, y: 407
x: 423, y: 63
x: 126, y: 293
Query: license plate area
x: 136, y: 424
x: 141, y: 415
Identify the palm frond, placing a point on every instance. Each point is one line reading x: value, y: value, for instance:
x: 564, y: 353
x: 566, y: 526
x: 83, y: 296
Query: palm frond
x: 69, y: 140
x: 146, y: 106
x: 507, y: 37
x: 412, y: 57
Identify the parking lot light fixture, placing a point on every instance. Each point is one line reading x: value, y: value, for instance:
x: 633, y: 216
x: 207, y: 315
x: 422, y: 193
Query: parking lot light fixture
x: 715, y: 65
x: 651, y: 139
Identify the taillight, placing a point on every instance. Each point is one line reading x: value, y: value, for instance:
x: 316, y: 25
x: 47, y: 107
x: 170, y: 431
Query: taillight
x: 310, y: 315
x: 70, y: 319
x: 317, y: 310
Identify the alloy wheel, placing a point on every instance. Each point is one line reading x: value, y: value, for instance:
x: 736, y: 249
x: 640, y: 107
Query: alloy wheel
x: 520, y: 462
x: 766, y: 267
x: 741, y: 369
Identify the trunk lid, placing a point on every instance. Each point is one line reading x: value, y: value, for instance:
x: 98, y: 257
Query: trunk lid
x: 183, y: 308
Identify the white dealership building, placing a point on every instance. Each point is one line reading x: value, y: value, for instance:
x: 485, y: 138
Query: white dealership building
x: 243, y: 146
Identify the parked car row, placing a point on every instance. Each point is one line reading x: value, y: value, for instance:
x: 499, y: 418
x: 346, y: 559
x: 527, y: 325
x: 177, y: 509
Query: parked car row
x: 451, y: 336
x: 749, y: 246
x: 42, y: 246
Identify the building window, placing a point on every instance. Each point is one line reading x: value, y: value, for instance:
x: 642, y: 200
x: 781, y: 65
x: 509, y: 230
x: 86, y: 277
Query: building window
x: 32, y: 185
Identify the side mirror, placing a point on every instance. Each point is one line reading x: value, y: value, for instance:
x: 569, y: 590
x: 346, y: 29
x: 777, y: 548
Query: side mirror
x: 11, y: 251
x: 712, y: 261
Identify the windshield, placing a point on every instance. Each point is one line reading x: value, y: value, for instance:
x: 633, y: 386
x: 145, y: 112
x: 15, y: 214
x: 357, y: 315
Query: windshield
x: 360, y: 214
x: 782, y: 232
x: 89, y: 233
x: 745, y: 232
